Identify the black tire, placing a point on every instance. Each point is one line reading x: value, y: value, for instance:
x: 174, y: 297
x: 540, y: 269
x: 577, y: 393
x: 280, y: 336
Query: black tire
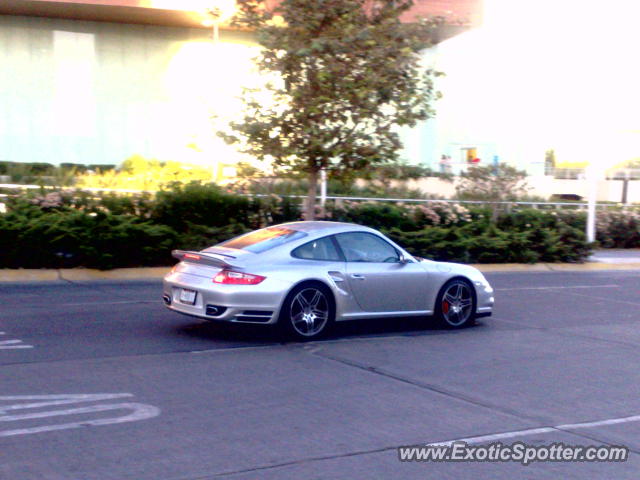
x: 456, y: 304
x: 308, y: 312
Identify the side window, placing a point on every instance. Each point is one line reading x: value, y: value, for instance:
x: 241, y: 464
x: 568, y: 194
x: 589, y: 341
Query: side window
x: 366, y: 247
x: 320, y: 249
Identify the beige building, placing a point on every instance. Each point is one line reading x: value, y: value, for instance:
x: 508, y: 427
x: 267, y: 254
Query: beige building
x: 98, y: 81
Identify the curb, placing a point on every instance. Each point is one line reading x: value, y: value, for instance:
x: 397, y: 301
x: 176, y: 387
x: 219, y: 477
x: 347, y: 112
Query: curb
x: 81, y: 274
x: 156, y: 273
x: 555, y: 267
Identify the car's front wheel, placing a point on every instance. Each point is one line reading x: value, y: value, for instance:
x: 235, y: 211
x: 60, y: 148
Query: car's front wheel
x: 307, y: 312
x: 456, y: 304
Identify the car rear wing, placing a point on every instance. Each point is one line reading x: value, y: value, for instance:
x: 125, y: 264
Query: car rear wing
x: 203, y: 258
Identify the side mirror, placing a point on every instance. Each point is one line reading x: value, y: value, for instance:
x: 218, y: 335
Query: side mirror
x: 403, y: 260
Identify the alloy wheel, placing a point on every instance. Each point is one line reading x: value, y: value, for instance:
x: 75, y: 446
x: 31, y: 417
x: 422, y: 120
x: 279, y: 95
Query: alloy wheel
x: 457, y: 304
x: 309, y: 312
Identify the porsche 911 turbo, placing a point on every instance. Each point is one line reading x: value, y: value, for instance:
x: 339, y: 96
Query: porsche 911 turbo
x: 305, y: 276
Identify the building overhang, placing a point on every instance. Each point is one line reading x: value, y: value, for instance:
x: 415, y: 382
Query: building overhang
x: 116, y: 11
x: 192, y: 13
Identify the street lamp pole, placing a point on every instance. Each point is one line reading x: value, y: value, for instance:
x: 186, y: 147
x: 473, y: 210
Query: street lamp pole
x: 592, y: 180
x: 216, y: 31
x: 215, y: 13
x: 594, y: 173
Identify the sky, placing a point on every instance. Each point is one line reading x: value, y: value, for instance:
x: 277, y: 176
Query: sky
x: 564, y: 72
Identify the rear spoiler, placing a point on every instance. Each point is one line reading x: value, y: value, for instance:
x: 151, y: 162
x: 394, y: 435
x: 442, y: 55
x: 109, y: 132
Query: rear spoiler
x: 203, y: 258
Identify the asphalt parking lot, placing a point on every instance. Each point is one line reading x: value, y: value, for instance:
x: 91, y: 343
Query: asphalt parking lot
x: 99, y: 381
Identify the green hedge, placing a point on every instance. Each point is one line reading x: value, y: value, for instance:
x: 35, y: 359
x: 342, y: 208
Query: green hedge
x: 494, y: 245
x: 71, y: 229
x: 73, y: 238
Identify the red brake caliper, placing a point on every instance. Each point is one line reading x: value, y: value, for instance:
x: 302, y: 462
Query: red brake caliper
x: 445, y: 307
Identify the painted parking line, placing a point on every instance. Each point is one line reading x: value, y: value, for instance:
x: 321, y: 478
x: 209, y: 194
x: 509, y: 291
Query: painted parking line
x: 133, y: 412
x: 556, y: 287
x: 534, y: 431
x: 13, y: 345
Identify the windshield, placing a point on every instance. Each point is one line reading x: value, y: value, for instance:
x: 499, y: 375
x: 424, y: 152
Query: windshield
x: 263, y: 240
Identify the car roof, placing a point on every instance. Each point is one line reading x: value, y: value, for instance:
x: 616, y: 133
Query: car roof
x: 320, y: 226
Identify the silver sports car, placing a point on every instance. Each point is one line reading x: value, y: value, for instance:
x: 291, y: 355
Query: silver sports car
x: 306, y: 275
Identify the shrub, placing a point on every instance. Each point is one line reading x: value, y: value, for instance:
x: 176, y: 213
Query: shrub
x: 119, y: 241
x: 493, y: 183
x: 468, y: 244
x: 373, y: 214
x: 196, y: 204
x: 439, y: 213
x: 618, y: 229
x: 199, y: 237
x: 436, y: 243
x: 72, y: 238
x: 67, y: 229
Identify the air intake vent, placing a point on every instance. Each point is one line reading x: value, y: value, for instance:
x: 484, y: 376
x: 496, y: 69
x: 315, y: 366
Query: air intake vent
x: 259, y: 313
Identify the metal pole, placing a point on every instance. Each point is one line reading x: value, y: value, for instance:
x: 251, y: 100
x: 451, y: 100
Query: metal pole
x: 592, y: 180
x: 625, y: 186
x: 215, y: 37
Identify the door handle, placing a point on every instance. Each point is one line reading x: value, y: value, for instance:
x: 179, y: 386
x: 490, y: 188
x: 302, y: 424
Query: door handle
x: 357, y: 276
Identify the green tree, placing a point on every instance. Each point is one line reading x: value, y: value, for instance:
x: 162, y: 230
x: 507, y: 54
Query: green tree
x: 500, y: 183
x: 347, y: 75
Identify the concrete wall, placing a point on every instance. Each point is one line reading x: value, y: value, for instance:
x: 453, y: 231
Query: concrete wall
x: 607, y: 190
x: 91, y: 92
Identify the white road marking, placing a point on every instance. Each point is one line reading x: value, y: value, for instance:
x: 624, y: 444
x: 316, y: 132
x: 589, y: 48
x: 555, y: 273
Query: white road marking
x: 534, y: 431
x: 497, y: 436
x: 611, y: 421
x: 138, y: 411
x: 47, y: 400
x: 122, y: 302
x: 556, y: 288
x: 13, y: 345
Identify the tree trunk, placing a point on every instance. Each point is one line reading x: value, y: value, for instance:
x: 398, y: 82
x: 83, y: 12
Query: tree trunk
x: 310, y: 204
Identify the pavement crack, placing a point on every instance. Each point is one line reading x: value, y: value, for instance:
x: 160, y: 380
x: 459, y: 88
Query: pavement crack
x: 357, y: 453
x: 293, y: 462
x: 605, y: 299
x: 62, y: 279
x: 425, y: 386
x: 633, y: 346
x: 563, y: 333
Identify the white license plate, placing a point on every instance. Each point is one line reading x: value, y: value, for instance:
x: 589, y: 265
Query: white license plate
x: 188, y: 296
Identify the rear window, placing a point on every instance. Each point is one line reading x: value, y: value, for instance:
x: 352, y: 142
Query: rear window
x: 263, y: 240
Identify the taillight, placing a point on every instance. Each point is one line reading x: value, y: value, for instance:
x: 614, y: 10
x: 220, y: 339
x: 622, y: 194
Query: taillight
x: 191, y: 256
x: 229, y: 277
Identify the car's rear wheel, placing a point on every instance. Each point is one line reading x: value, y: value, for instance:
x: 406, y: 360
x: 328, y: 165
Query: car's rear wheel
x: 307, y: 312
x: 456, y: 304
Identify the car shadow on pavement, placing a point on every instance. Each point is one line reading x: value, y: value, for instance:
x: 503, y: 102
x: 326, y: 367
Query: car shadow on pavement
x: 270, y: 334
